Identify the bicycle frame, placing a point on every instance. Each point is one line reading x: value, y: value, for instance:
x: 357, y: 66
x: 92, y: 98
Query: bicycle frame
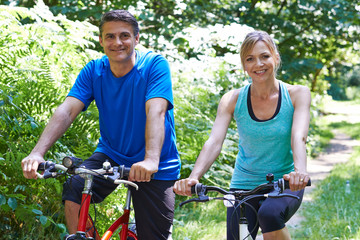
x: 244, y: 233
x: 84, y: 218
x: 86, y: 229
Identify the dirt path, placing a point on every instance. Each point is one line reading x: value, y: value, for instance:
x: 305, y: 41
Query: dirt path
x: 339, y: 151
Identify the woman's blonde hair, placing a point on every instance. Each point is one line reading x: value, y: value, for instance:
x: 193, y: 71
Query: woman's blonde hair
x: 251, y: 39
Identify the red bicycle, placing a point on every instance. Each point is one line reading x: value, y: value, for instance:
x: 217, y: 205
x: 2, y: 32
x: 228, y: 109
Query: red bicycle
x: 86, y: 229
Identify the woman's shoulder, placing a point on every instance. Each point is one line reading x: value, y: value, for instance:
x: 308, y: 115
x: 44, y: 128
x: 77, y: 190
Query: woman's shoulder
x: 296, y: 89
x: 228, y: 100
x: 298, y: 92
x: 231, y: 96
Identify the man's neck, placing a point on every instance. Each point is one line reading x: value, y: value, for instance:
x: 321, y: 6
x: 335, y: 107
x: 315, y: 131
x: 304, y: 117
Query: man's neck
x: 121, y: 69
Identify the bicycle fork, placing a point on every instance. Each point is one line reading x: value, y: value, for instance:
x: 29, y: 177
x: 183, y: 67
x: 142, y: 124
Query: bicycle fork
x: 123, y: 220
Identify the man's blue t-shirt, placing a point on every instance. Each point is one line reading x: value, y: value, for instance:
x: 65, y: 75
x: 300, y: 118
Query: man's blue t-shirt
x: 121, y: 104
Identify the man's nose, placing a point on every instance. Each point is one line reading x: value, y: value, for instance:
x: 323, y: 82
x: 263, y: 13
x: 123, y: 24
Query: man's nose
x: 118, y: 40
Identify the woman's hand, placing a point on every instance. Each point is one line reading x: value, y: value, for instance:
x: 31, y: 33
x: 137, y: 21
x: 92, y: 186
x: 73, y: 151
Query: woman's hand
x: 183, y: 186
x: 297, y: 180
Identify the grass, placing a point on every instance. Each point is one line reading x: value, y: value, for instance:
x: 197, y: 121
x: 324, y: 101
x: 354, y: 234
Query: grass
x: 200, y: 221
x: 333, y: 214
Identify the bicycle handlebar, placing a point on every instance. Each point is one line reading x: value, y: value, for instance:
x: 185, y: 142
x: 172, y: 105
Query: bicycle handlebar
x: 113, y: 174
x: 275, y: 191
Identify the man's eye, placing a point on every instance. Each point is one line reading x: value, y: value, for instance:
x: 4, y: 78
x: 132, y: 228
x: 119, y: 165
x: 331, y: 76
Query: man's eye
x: 125, y: 35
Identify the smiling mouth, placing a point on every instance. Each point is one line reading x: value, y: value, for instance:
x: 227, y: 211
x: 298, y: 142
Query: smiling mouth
x: 258, y: 72
x: 117, y: 50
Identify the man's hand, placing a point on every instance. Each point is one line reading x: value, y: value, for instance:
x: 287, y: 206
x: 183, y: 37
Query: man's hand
x: 183, y: 186
x: 142, y: 171
x: 30, y: 165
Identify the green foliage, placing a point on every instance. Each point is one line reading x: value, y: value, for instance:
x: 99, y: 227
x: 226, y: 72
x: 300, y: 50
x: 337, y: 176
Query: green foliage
x: 43, y: 56
x: 316, y: 38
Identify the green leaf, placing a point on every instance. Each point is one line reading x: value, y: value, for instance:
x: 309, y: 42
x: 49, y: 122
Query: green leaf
x: 18, y: 196
x: 12, y: 202
x: 2, y: 199
x: 20, y: 187
x: 61, y: 227
x: 43, y: 220
x: 33, y: 125
x: 36, y: 211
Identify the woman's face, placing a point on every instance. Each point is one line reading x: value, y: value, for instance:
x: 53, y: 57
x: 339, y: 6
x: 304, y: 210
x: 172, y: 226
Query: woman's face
x: 260, y: 64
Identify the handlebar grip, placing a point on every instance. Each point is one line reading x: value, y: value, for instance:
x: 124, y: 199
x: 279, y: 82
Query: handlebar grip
x: 197, y: 188
x: 284, y: 184
x: 125, y: 171
x: 44, y: 165
x: 41, y: 166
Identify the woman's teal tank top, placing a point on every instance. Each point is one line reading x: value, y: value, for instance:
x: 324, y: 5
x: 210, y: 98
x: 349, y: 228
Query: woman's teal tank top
x: 264, y: 146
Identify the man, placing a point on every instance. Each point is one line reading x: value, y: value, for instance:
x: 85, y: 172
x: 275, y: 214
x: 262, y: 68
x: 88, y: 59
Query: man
x: 133, y: 93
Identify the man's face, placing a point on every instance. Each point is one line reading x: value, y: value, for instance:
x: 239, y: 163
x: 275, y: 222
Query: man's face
x: 119, y: 42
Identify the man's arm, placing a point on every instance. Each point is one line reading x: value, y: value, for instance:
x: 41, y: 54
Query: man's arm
x: 64, y: 115
x: 154, y: 139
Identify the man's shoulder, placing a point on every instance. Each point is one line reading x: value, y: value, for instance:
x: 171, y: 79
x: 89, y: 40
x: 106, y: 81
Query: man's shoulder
x: 148, y: 56
x: 97, y: 65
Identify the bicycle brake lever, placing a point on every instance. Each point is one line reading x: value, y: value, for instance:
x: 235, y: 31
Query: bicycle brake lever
x: 50, y: 171
x: 115, y: 176
x: 275, y: 194
x: 201, y: 198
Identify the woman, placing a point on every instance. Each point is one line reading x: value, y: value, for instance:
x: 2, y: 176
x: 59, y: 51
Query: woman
x: 273, y: 120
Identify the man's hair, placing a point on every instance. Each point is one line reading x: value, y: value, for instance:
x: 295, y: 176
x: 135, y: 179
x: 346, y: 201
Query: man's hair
x: 251, y: 39
x: 119, y: 16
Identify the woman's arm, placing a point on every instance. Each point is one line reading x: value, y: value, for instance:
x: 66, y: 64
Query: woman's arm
x: 212, y: 146
x: 301, y: 99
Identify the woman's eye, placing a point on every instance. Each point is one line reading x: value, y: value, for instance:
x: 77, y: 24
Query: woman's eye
x: 249, y: 59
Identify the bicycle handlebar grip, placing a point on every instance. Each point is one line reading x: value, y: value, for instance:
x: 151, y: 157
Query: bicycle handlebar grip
x: 196, y: 189
x: 44, y: 165
x: 287, y: 185
x: 124, y: 171
x: 41, y: 166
